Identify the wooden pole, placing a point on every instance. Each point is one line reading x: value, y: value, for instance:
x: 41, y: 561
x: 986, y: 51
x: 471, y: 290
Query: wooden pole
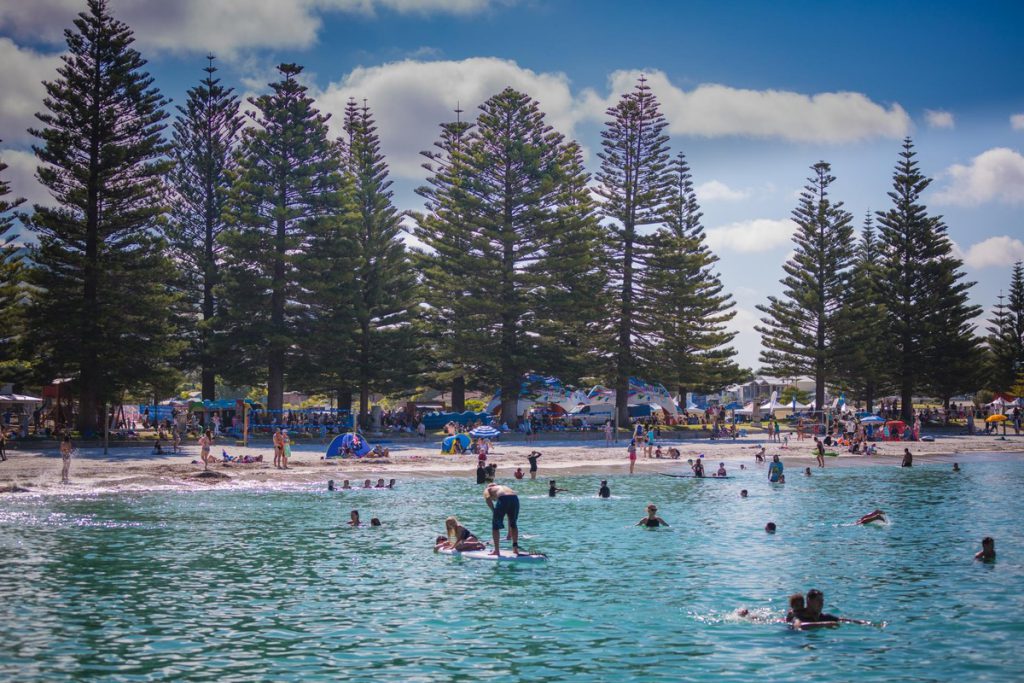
x: 106, y: 428
x: 245, y: 424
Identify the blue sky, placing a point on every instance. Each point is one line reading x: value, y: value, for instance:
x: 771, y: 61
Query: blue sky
x: 755, y: 93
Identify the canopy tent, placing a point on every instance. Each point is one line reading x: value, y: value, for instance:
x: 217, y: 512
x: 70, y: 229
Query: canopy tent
x: 19, y: 399
x: 745, y: 410
x: 733, y: 406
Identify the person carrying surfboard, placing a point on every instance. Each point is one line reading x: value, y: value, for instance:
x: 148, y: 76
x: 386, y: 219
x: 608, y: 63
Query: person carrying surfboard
x: 503, y: 503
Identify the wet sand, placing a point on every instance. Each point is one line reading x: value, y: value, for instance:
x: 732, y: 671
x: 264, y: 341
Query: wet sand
x: 135, y: 468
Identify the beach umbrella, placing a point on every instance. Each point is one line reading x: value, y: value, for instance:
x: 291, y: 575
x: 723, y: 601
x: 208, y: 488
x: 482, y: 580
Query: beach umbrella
x: 872, y: 419
x: 996, y: 418
x: 486, y: 432
x: 896, y: 423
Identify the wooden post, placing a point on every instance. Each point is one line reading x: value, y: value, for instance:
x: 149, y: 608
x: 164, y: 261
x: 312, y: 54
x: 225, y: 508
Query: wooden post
x: 245, y: 424
x: 106, y: 428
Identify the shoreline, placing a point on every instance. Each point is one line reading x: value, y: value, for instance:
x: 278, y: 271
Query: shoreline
x: 136, y: 469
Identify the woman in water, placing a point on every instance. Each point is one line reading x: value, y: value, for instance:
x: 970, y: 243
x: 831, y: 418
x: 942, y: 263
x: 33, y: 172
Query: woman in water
x: 775, y: 469
x: 721, y: 470
x: 367, y: 484
x: 345, y: 485
x: 652, y: 520
x: 459, y: 537
x: 698, y: 468
x: 604, y: 491
x: 65, y: 455
x: 354, y: 518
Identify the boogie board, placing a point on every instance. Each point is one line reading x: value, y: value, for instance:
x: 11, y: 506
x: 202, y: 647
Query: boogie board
x: 506, y: 555
x: 831, y: 454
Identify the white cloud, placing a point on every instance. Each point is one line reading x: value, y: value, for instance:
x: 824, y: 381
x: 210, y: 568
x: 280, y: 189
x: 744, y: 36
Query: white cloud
x: 20, y: 174
x: 713, y: 110
x: 994, y: 175
x: 21, y: 86
x: 995, y: 251
x: 716, y: 190
x: 409, y: 98
x: 938, y: 119
x: 224, y: 26
x: 1017, y: 121
x: 759, y: 234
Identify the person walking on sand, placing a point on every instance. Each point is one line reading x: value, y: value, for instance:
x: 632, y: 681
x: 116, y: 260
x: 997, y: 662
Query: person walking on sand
x: 3, y: 444
x: 632, y: 455
x: 503, y: 502
x: 608, y: 429
x: 205, y: 441
x: 278, y: 447
x: 175, y: 439
x: 819, y: 452
x: 65, y: 455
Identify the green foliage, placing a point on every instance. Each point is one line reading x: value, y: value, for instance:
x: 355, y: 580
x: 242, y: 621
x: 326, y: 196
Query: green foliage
x: 385, y: 296
x: 1006, y: 335
x: 14, y: 364
x: 799, y: 329
x: 103, y: 307
x: 789, y: 393
x: 286, y: 229
x: 863, y: 369
x: 636, y: 184
x: 475, y: 404
x: 205, y: 135
x: 682, y: 309
x: 928, y: 320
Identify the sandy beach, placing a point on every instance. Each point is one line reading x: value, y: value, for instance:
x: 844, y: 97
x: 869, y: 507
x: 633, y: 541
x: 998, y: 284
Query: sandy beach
x: 136, y: 468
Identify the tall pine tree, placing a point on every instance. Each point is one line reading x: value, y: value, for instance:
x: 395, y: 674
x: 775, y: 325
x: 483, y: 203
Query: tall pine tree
x: 287, y: 189
x: 443, y: 228
x: 635, y: 184
x: 13, y: 294
x: 863, y: 363
x: 505, y: 196
x: 385, y: 296
x: 1006, y: 335
x: 682, y: 340
x: 927, y: 297
x: 798, y: 332
x: 102, y: 303
x: 574, y: 294
x: 205, y: 134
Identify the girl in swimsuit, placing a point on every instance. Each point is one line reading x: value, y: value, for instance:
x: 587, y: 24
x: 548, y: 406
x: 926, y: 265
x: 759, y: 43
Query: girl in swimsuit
x: 652, y: 520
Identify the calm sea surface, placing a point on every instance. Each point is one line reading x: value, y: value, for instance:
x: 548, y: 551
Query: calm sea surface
x: 270, y: 585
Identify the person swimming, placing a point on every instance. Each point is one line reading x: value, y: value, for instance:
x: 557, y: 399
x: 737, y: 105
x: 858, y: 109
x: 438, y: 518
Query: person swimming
x: 956, y: 467
x: 374, y: 521
x: 769, y: 528
x: 330, y: 484
x: 988, y: 550
x: 604, y: 491
x: 354, y: 518
x: 743, y: 493
x: 875, y: 516
x: 391, y: 483
x: 367, y: 484
x: 380, y: 484
x: 797, y: 608
x: 721, y: 470
x: 553, y: 489
x: 345, y: 485
x: 807, y: 471
x: 652, y: 520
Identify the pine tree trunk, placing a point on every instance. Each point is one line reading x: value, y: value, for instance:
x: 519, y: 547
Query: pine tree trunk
x: 459, y: 394
x: 364, y: 373
x: 209, y: 379
x: 275, y: 357
x: 88, y: 378
x: 869, y: 396
x: 345, y: 398
x: 623, y: 367
x: 907, y: 407
x: 510, y: 399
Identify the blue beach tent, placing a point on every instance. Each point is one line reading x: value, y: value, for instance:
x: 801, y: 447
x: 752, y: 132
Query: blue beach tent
x: 343, y: 441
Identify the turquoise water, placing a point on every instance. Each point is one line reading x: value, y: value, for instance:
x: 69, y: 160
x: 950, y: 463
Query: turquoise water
x: 270, y: 585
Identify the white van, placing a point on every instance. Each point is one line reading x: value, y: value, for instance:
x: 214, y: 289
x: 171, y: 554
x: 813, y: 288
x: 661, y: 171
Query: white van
x: 594, y: 415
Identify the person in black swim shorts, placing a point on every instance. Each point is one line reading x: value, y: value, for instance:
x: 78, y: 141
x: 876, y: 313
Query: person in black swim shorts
x: 503, y: 502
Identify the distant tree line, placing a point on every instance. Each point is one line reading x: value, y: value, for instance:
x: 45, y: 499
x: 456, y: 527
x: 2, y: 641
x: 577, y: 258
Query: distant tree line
x: 253, y: 248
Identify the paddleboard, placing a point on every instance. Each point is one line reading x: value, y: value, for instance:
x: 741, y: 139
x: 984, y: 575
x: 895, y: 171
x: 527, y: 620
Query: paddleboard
x: 506, y: 555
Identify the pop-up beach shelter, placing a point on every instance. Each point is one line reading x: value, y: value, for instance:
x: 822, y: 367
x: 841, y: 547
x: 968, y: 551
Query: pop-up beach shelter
x: 448, y: 445
x: 349, y: 441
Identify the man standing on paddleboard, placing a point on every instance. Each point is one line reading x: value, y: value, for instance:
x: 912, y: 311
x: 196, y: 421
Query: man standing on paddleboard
x: 503, y: 502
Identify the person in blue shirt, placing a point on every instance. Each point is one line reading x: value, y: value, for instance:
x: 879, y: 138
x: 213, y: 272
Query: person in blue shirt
x: 774, y: 469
